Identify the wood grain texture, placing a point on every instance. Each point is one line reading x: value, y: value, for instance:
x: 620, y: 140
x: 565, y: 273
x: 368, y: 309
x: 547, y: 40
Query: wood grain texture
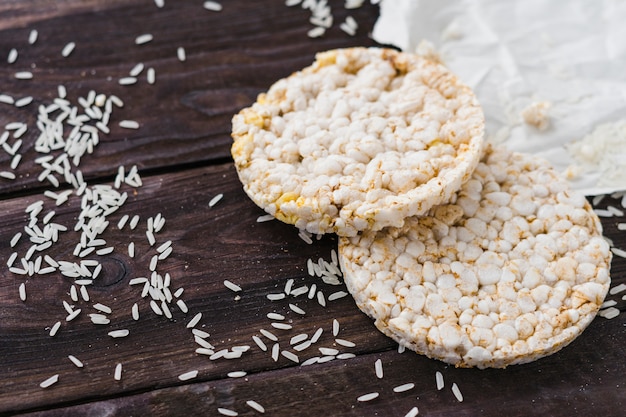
x: 182, y: 150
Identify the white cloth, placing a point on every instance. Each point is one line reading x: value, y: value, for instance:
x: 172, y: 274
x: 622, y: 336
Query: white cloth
x: 514, y: 53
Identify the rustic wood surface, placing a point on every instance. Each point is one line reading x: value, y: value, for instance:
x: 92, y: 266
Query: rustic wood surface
x: 182, y: 152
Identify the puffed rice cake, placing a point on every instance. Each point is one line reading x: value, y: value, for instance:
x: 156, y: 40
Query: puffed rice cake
x: 513, y: 269
x: 361, y: 139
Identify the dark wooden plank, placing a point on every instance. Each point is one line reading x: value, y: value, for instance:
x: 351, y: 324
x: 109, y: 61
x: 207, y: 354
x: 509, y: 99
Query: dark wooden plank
x: 210, y: 245
x: 579, y: 381
x: 185, y: 116
x: 226, y: 242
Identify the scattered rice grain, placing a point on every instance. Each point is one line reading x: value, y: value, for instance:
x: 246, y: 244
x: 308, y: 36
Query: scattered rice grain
x: 404, y: 387
x: 227, y: 412
x: 75, y: 361
x: 143, y: 39
x: 129, y: 124
x: 439, y: 380
x: 188, y: 375
x: 68, y: 49
x: 255, y: 406
x: 368, y: 397
x: 215, y: 200
x: 119, y: 333
x: 55, y: 328
x: 457, y: 392
x: 212, y: 6
x: 50, y: 381
x: 117, y: 375
x: 232, y: 286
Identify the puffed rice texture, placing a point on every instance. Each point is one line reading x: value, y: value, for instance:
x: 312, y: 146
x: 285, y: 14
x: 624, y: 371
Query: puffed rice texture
x: 360, y: 140
x: 513, y: 269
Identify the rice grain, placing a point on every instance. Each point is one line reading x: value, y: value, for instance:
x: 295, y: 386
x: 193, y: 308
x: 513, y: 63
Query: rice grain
x: 118, y: 372
x: 50, y: 381
x: 255, y: 406
x: 188, y: 375
x: 368, y: 397
x: 457, y: 392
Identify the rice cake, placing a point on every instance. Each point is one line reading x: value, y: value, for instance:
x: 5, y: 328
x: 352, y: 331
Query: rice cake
x: 512, y: 269
x: 361, y: 139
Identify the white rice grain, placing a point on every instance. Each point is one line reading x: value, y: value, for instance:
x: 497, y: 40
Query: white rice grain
x: 227, y: 412
x: 255, y: 406
x: 117, y: 375
x: 346, y: 356
x: 290, y: 355
x: 259, y: 343
x: 182, y: 306
x: 83, y: 292
x: 404, y: 387
x: 457, y: 392
x: 237, y: 374
x: 22, y: 291
x: 24, y: 101
x: 68, y: 49
x: 151, y: 75
x: 275, y: 316
x: 618, y: 252
x: 281, y: 326
x: 73, y: 315
x: 103, y: 308
x: 609, y: 313
x: 32, y: 37
x: 12, y: 56
x: 316, y: 32
x: 298, y: 338
x: 23, y: 75
x: 129, y: 124
x: 55, y: 328
x: 317, y: 335
x: 337, y: 295
x: 75, y: 361
x: 296, y: 309
x: 134, y: 221
x: 6, y: 99
x: 439, y: 380
x: 275, y: 296
x: 50, y: 381
x: 188, y: 375
x: 275, y: 352
x: 15, y: 239
x: 335, y: 327
x: 232, y: 286
x: 378, y: 365
x: 181, y: 54
x: 264, y: 218
x: 328, y: 351
x: 617, y: 289
x: 119, y: 333
x: 368, y: 397
x: 412, y: 412
x: 216, y: 200
x: 194, y: 321
x: 212, y: 6
x: 345, y: 343
x: 143, y: 39
x: 99, y: 319
x: 123, y: 81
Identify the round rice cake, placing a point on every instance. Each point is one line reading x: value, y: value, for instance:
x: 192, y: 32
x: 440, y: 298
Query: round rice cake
x: 361, y: 139
x: 512, y: 269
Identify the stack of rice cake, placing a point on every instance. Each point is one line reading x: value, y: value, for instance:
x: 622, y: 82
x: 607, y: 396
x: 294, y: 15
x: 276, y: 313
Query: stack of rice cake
x: 467, y: 253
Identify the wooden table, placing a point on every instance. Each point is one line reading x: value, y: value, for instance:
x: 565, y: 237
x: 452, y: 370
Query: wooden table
x: 181, y: 150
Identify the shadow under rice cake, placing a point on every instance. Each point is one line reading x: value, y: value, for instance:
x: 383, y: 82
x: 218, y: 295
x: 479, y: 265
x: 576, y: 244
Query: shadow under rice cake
x: 360, y: 140
x: 513, y: 269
